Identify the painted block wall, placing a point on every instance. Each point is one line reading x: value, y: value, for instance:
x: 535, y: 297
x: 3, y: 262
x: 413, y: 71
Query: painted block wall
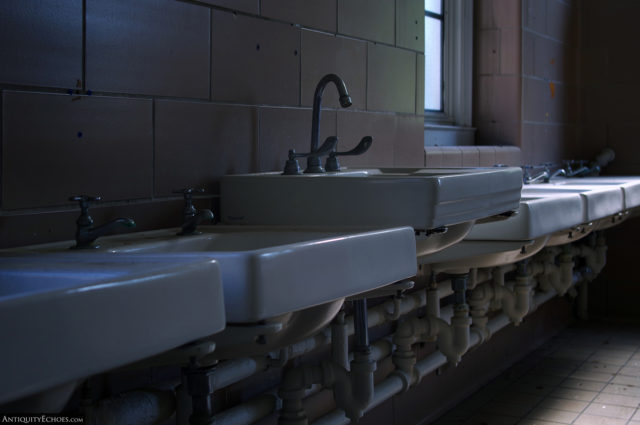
x: 526, y: 86
x: 132, y: 100
x: 610, y: 117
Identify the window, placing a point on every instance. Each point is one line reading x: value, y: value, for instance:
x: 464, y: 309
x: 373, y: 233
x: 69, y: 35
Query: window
x: 433, y: 38
x: 448, y: 61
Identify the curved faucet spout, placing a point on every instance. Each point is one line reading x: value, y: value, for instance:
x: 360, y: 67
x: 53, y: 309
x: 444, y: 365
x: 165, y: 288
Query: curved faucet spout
x: 87, y: 235
x: 345, y: 102
x: 192, y: 222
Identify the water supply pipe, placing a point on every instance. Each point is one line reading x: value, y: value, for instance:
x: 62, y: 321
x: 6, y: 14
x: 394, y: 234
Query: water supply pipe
x: 394, y: 383
x: 453, y: 338
x: 352, y: 389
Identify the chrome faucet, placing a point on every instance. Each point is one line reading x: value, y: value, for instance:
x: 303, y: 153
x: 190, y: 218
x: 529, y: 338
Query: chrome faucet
x: 192, y: 217
x: 86, y: 234
x: 558, y: 172
x: 582, y: 169
x: 314, y: 163
x: 528, y: 179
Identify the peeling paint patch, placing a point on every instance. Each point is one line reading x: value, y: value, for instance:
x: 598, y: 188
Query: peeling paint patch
x: 552, y: 90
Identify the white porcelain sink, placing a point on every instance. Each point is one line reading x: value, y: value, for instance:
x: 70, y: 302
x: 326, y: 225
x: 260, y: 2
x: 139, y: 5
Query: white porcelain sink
x: 629, y: 185
x: 541, y: 220
x: 537, y: 216
x: 267, y: 272
x: 424, y: 199
x: 66, y: 317
x: 468, y: 254
x: 600, y: 201
x: 274, y: 270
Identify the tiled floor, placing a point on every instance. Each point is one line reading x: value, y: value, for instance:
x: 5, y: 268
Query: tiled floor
x: 587, y: 375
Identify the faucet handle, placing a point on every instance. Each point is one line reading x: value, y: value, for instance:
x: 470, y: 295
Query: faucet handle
x: 187, y: 193
x: 292, y: 167
x: 84, y: 201
x: 361, y: 148
x: 332, y: 162
x: 327, y: 146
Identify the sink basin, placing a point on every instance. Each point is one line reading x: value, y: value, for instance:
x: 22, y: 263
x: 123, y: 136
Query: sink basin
x: 469, y: 254
x: 541, y: 220
x: 424, y: 199
x: 270, y: 271
x: 600, y: 201
x: 66, y: 317
x: 537, y: 216
x: 629, y: 185
x: 281, y: 284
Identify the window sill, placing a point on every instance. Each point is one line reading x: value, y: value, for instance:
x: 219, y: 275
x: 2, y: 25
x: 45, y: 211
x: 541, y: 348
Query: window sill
x: 448, y: 135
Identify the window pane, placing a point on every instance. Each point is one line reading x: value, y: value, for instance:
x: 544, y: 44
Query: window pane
x: 434, y: 6
x: 433, y: 63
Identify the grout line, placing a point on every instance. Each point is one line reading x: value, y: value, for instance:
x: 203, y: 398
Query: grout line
x: 300, y: 53
x: 211, y: 55
x: 2, y: 180
x: 83, y: 71
x: 153, y: 149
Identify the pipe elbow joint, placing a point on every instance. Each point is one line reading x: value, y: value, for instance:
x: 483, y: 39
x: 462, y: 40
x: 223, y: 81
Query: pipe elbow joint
x: 481, y: 297
x: 299, y: 379
x: 483, y: 332
x: 408, y: 333
x: 453, y: 339
x: 407, y: 378
x: 353, y: 391
x: 516, y: 303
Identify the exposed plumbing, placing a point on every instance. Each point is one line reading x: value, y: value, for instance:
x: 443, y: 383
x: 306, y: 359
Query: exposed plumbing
x: 353, y: 385
x: 512, y: 297
x: 352, y: 389
x: 452, y: 338
x: 594, y: 251
x: 553, y: 268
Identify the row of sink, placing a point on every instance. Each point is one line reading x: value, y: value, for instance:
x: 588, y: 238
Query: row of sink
x: 289, y: 250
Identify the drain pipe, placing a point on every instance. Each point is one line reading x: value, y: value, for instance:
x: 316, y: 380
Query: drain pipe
x: 515, y: 302
x: 595, y: 252
x: 394, y: 384
x: 551, y: 275
x: 232, y: 371
x: 453, y: 339
x: 512, y: 297
x: 353, y: 390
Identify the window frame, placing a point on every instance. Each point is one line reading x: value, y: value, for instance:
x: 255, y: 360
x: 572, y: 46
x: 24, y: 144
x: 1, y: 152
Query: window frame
x: 439, y: 16
x: 457, y: 66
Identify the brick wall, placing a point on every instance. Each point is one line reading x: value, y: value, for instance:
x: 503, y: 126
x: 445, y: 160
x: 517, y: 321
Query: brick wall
x: 131, y: 100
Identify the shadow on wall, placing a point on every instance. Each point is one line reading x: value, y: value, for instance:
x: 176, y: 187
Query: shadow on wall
x: 526, y: 77
x: 610, y: 117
